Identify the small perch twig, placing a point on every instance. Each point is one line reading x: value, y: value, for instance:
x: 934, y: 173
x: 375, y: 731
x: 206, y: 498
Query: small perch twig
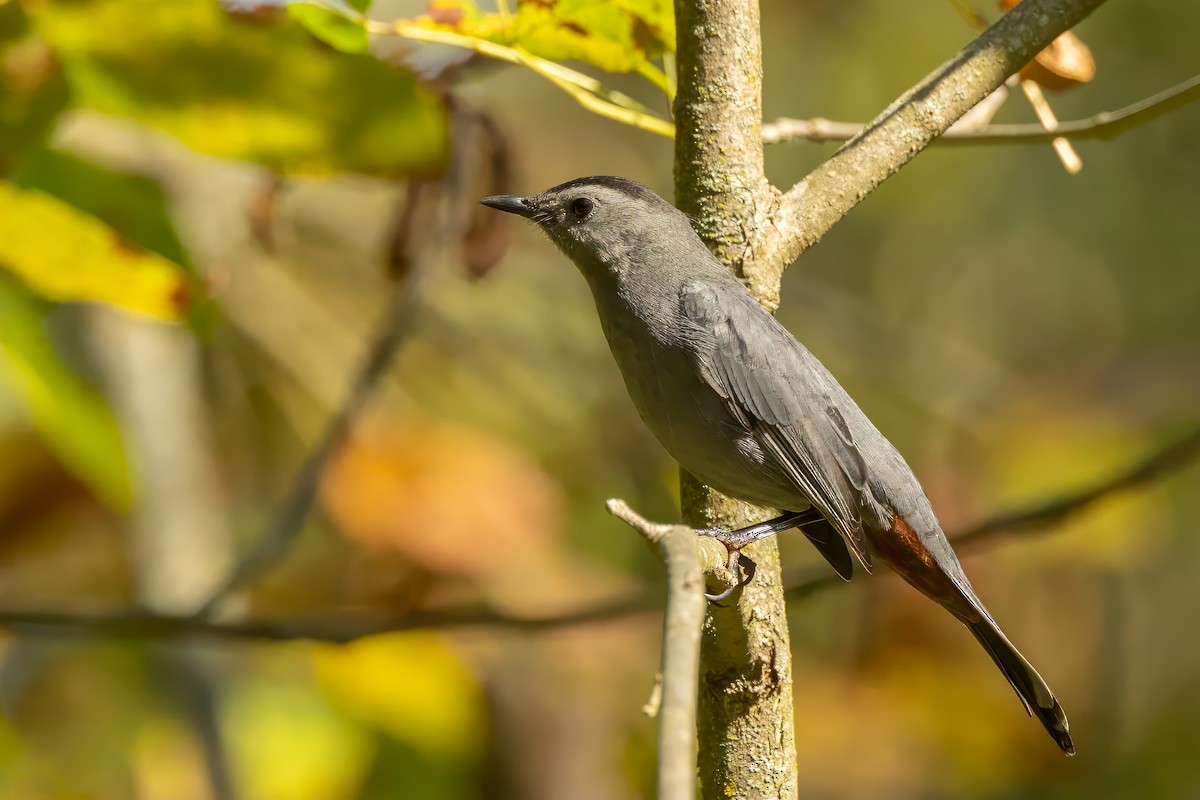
x: 679, y: 548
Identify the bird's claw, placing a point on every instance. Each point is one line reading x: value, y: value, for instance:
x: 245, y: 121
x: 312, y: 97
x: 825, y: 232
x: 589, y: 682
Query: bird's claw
x: 737, y: 562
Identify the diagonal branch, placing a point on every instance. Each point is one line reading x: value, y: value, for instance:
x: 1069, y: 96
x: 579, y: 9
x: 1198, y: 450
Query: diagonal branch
x: 813, y: 206
x: 1057, y: 510
x: 1104, y: 125
x: 288, y: 522
x: 395, y: 327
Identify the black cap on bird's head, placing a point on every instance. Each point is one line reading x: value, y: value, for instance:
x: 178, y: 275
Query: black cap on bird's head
x: 597, y: 221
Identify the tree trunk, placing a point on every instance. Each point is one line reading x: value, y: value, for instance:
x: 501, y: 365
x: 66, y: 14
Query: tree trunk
x: 746, y: 741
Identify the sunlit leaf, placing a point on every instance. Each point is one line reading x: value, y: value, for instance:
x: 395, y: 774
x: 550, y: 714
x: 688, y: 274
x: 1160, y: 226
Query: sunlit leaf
x: 263, y: 91
x: 287, y: 742
x: 65, y: 254
x: 411, y: 685
x: 71, y: 416
x: 615, y: 36
x: 32, y: 88
x: 132, y: 205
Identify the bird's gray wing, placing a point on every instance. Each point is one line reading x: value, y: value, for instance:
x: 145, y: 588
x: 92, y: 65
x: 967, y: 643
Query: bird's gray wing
x: 779, y: 391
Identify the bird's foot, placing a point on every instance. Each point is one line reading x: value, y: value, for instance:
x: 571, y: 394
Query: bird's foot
x: 735, y: 540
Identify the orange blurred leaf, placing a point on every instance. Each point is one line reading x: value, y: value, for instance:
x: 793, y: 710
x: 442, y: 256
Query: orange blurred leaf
x: 452, y: 499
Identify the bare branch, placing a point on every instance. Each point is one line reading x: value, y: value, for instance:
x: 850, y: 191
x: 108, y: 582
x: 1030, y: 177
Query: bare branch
x: 1104, y: 125
x: 142, y: 625
x: 813, y: 206
x: 678, y: 546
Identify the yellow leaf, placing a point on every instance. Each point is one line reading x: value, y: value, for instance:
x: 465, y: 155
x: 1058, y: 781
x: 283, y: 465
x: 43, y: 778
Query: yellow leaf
x: 1048, y: 456
x: 289, y: 745
x: 411, y: 685
x: 66, y: 255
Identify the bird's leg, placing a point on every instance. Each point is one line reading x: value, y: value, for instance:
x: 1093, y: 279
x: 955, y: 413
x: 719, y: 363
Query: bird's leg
x: 735, y: 540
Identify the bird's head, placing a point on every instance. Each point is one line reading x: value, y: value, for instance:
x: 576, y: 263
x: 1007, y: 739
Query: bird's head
x: 606, y: 224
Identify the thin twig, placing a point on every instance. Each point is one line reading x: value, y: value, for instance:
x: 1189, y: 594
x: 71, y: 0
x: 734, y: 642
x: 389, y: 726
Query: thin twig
x: 395, y: 326
x: 587, y: 91
x: 678, y: 546
x: 143, y: 625
x: 1070, y: 159
x: 1104, y: 125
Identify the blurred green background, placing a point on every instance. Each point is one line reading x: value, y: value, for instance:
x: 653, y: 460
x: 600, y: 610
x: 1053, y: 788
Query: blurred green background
x: 197, y: 213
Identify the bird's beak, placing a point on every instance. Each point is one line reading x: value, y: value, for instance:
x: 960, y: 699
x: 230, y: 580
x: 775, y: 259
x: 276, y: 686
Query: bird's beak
x: 521, y: 206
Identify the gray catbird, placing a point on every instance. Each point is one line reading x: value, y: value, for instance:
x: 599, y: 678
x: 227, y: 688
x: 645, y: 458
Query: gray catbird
x: 744, y: 407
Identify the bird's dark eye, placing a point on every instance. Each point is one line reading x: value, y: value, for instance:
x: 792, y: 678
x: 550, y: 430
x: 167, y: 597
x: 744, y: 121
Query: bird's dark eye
x: 581, y: 207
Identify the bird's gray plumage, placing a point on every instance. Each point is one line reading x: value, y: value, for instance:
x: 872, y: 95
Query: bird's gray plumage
x: 747, y: 409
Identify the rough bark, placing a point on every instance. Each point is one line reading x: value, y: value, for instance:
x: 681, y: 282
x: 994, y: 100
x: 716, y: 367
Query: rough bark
x: 746, y: 739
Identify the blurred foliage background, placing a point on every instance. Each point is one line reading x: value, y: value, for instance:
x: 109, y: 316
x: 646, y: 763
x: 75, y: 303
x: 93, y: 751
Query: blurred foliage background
x: 204, y: 211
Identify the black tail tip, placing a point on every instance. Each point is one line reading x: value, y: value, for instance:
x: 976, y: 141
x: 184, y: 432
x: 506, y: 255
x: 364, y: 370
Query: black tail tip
x: 1055, y: 722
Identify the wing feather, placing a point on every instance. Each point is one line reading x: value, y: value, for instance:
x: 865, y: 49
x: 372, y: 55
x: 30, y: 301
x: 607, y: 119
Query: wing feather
x: 780, y: 393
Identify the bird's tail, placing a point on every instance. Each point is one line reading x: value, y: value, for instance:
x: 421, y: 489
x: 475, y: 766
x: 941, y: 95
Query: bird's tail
x: 1033, y: 691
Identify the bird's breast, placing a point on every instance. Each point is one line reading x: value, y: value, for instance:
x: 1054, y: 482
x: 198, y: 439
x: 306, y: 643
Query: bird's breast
x: 691, y: 421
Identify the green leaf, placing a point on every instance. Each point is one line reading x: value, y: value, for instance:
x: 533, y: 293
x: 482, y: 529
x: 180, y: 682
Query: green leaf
x: 32, y: 88
x: 256, y: 89
x: 71, y: 416
x: 65, y: 254
x: 330, y: 27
